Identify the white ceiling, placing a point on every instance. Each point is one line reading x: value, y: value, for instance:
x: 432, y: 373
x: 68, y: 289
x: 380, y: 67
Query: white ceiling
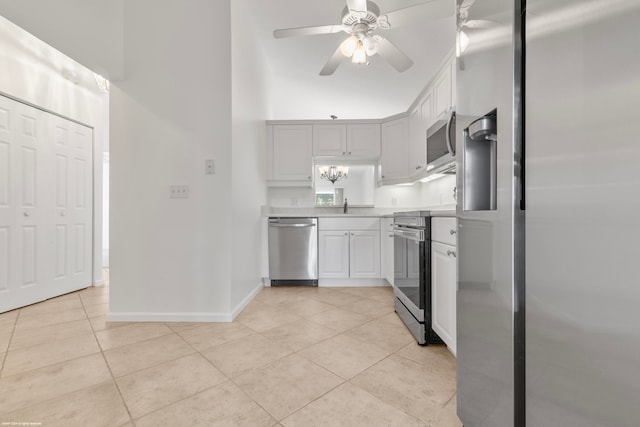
x: 353, y: 92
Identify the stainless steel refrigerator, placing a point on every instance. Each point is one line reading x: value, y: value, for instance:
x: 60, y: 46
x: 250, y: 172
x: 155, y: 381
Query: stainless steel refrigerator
x: 548, y: 302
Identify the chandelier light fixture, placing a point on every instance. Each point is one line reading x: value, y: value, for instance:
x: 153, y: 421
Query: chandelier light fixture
x: 333, y: 173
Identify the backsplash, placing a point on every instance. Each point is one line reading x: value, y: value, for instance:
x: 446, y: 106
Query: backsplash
x: 433, y: 193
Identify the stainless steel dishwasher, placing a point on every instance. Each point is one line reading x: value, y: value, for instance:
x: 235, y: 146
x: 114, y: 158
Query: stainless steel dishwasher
x: 293, y: 251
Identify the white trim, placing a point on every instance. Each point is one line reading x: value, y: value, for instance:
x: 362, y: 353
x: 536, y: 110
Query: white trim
x: 99, y: 283
x: 170, y: 317
x: 330, y: 283
x: 246, y: 301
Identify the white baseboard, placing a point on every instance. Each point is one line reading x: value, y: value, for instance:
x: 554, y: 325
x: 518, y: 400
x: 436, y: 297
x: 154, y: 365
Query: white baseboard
x: 328, y: 283
x: 246, y: 301
x: 98, y: 283
x: 170, y: 317
x: 187, y: 317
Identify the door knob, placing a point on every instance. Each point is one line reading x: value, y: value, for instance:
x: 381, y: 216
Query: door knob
x: 452, y: 232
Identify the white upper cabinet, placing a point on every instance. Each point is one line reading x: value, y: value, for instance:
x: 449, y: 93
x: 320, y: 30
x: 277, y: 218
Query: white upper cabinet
x: 394, y: 160
x: 443, y: 91
x: 292, y: 153
x: 417, y: 142
x: 329, y: 140
x: 353, y: 140
x: 363, y: 140
x: 426, y: 111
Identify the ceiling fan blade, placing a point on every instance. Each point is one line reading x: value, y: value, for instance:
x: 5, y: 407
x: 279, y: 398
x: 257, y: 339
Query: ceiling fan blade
x: 480, y: 23
x: 393, y: 55
x: 357, y: 7
x: 466, y: 4
x: 307, y: 31
x: 332, y: 63
x: 435, y: 9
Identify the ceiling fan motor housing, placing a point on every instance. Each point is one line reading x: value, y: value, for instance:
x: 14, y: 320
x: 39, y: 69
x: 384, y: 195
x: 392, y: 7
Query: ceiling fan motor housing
x: 370, y: 18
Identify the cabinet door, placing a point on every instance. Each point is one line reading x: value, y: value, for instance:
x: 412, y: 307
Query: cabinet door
x: 426, y: 111
x: 443, y: 92
x: 443, y: 292
x: 417, y: 143
x: 363, y: 140
x: 333, y: 254
x: 394, y: 161
x: 389, y: 256
x: 292, y: 151
x: 364, y: 254
x: 329, y: 140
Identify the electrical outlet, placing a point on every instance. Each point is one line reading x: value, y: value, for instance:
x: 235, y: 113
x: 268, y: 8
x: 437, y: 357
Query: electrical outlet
x: 210, y: 167
x: 394, y: 201
x: 178, y: 191
x: 294, y: 201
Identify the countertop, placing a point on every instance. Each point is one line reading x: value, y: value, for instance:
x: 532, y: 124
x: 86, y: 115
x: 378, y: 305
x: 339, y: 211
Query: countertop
x: 355, y: 212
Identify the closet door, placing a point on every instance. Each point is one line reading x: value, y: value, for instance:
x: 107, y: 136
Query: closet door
x: 45, y: 205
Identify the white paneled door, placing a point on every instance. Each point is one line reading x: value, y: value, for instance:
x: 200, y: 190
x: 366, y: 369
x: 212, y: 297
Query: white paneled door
x: 46, y: 204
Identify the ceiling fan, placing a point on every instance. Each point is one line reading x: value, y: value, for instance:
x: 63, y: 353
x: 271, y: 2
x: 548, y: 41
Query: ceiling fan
x: 361, y: 19
x: 462, y: 18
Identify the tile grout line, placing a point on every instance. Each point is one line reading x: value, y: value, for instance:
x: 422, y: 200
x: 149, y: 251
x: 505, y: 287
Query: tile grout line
x: 104, y: 358
x: 6, y: 354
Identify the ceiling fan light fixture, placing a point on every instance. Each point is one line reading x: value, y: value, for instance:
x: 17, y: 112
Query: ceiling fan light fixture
x: 349, y: 46
x: 360, y: 55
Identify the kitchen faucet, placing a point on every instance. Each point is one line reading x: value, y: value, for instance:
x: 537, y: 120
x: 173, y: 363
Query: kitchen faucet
x: 345, y: 207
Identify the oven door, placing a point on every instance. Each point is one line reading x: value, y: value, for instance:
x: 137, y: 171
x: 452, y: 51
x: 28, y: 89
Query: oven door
x: 410, y: 269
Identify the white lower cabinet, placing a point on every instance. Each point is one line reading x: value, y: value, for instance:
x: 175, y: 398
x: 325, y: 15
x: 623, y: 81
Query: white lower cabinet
x: 364, y: 254
x: 444, y: 286
x: 386, y: 249
x: 349, y: 248
x: 333, y: 254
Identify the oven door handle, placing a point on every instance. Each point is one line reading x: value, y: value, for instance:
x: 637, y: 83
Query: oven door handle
x: 416, y: 236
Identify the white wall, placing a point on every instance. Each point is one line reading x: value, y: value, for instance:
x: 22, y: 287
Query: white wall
x: 439, y: 192
x: 408, y: 196
x: 90, y: 31
x: 248, y: 188
x: 31, y: 72
x: 170, y: 258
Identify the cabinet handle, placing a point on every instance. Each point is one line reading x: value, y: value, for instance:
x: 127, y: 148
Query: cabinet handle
x: 26, y: 214
x: 417, y: 167
x: 346, y: 234
x: 349, y: 152
x: 451, y: 253
x: 309, y: 177
x: 452, y: 232
x: 382, y: 176
x: 391, y: 235
x: 343, y: 153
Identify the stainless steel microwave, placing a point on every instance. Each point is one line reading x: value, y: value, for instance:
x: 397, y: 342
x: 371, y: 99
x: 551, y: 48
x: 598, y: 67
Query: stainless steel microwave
x: 441, y: 145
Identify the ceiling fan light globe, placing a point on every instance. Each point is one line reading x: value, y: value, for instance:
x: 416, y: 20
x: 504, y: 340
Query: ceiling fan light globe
x: 349, y: 46
x: 360, y: 55
x: 370, y: 45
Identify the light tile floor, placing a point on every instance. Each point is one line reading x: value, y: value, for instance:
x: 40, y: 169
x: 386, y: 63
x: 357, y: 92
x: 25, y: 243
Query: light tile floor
x: 294, y: 357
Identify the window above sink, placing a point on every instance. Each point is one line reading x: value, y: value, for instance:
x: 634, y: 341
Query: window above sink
x: 357, y: 185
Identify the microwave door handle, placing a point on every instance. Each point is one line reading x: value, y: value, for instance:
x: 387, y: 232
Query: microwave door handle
x: 452, y: 151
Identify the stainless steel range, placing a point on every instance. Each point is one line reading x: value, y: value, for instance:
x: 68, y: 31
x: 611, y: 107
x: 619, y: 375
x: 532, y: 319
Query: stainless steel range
x: 412, y: 273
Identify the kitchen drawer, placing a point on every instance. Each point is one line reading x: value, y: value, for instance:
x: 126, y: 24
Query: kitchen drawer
x: 351, y: 224
x: 444, y: 230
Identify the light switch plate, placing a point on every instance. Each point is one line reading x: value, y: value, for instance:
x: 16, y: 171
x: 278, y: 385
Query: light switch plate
x: 178, y: 191
x: 210, y: 167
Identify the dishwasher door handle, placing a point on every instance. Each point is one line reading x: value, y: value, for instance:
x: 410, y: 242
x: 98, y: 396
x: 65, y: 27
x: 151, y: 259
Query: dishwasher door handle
x: 272, y: 224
